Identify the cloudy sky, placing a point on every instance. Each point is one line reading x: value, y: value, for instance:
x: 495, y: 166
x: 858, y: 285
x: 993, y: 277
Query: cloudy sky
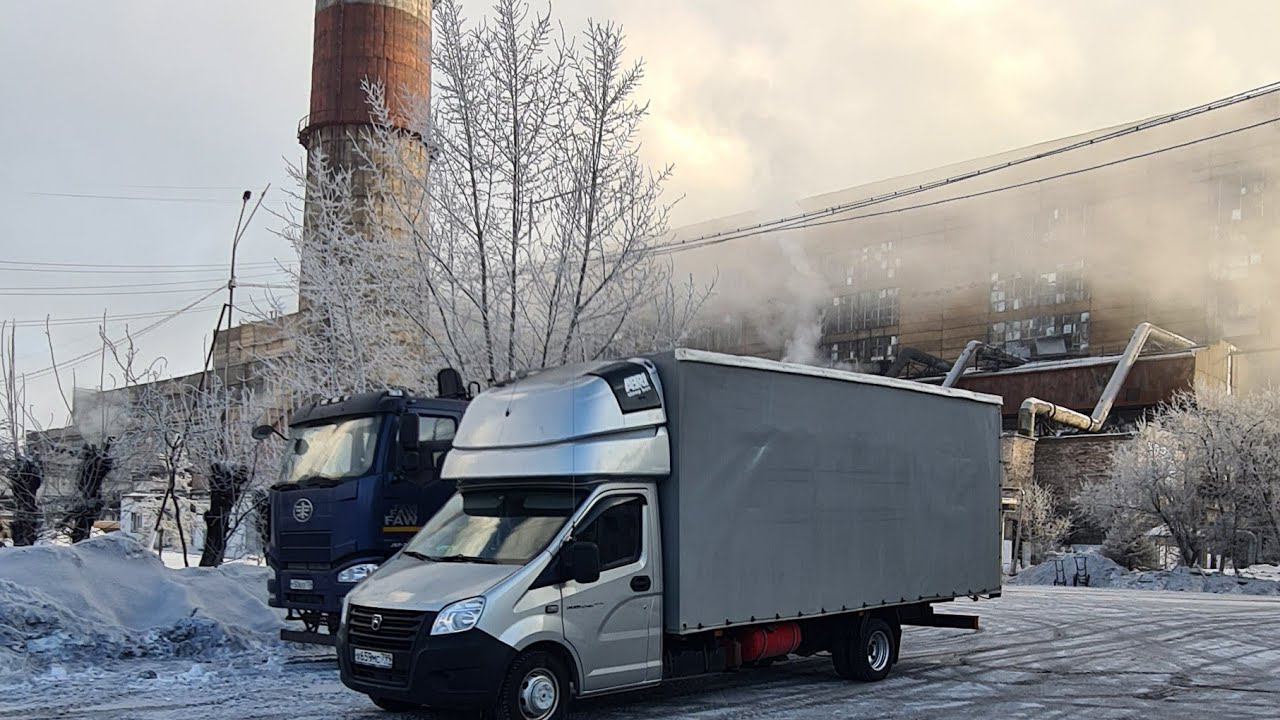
x: 131, y: 126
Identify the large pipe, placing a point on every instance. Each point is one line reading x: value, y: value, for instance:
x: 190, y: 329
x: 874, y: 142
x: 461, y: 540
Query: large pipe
x: 908, y: 355
x: 957, y: 369
x: 1035, y: 407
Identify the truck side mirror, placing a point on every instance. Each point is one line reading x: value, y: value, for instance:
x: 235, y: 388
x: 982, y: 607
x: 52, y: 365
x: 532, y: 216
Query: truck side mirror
x: 583, y: 559
x: 408, y: 440
x: 409, y: 431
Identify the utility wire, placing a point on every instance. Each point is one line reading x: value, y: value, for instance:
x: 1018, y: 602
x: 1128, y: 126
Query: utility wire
x: 759, y: 228
x: 116, y: 286
x: 671, y: 248
x: 217, y: 273
x: 141, y: 198
x: 51, y: 369
x: 97, y: 319
x: 221, y: 267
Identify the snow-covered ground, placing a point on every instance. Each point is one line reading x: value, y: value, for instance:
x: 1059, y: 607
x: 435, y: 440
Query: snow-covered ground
x: 1104, y: 572
x: 65, y: 608
x: 1043, y: 652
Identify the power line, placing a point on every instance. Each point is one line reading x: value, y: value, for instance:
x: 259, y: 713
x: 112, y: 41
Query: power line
x: 129, y: 292
x: 61, y: 271
x: 97, y: 319
x: 169, y: 283
x: 138, y: 266
x: 141, y: 198
x: 671, y: 248
x: 93, y: 353
x: 766, y: 226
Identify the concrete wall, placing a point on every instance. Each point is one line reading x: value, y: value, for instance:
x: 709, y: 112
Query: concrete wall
x: 1065, y: 463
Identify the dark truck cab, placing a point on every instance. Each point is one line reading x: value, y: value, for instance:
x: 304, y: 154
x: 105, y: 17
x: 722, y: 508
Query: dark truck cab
x: 361, y: 475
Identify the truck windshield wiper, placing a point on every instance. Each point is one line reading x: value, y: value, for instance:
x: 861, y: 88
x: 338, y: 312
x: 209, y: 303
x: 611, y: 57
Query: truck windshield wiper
x: 463, y: 558
x: 415, y: 554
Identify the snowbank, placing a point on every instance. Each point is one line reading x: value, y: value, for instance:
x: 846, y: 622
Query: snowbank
x: 1104, y: 572
x: 108, y: 597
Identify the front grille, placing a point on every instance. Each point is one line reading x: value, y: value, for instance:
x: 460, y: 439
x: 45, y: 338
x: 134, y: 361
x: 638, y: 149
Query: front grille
x: 396, y: 634
x: 304, y: 541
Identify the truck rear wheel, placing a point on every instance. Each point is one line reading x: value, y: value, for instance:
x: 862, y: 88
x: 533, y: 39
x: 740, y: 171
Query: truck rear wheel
x: 536, y: 688
x: 867, y: 652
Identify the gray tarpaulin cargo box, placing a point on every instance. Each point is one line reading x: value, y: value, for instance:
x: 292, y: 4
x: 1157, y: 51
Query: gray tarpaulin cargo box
x: 798, y: 490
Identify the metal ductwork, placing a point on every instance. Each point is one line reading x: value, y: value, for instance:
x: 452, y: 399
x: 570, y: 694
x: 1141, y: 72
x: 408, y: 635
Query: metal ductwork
x: 909, y: 355
x: 982, y: 350
x: 1035, y: 407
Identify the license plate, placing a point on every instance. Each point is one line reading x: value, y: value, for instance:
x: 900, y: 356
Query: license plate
x: 372, y: 658
x: 296, y: 584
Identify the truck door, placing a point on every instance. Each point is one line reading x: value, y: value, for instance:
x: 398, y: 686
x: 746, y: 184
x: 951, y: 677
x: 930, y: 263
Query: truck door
x: 608, y: 621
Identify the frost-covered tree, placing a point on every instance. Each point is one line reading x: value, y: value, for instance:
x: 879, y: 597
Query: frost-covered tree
x: 21, y: 469
x: 221, y: 450
x: 527, y: 244
x: 1044, y: 526
x: 1207, y: 469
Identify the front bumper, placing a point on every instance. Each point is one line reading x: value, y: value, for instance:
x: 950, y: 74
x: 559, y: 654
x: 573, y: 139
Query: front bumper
x: 456, y: 671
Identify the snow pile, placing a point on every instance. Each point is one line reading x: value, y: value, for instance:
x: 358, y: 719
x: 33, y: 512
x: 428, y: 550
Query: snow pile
x: 108, y: 597
x: 1104, y: 572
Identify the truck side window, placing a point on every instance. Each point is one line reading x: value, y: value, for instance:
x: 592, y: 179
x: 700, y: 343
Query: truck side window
x: 432, y: 429
x: 618, y: 532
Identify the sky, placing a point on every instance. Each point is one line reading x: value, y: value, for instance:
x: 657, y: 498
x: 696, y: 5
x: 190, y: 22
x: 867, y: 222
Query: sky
x: 132, y: 127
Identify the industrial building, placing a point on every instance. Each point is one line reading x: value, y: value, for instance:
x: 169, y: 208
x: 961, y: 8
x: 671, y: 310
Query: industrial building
x: 1059, y: 257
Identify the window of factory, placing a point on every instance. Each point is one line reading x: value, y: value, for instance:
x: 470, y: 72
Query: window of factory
x: 1015, y: 291
x: 1043, y: 335
x: 864, y: 310
x: 872, y: 265
x: 868, y: 349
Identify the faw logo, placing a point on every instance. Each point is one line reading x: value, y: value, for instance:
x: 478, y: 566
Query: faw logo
x: 401, y: 516
x: 636, y: 385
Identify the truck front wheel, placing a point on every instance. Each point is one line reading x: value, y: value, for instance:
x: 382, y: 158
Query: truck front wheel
x: 866, y: 653
x: 536, y: 687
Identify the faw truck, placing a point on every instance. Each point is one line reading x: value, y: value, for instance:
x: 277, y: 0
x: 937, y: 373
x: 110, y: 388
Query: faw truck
x: 618, y: 525
x: 361, y: 475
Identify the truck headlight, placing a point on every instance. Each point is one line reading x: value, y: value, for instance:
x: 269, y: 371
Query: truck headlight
x: 462, y: 615
x: 356, y: 573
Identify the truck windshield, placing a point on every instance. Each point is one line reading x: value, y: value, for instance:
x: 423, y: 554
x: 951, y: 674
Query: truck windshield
x: 331, y: 452
x: 506, y: 526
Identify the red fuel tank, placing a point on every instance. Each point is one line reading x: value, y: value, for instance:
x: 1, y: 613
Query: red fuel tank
x: 765, y: 642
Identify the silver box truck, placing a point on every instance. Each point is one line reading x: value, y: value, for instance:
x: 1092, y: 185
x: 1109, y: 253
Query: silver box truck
x: 619, y: 524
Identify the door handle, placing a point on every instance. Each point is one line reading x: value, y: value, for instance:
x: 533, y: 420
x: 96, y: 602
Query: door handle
x: 640, y: 583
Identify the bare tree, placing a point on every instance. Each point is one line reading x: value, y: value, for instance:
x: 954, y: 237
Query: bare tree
x: 220, y: 447
x: 1205, y: 469
x: 529, y: 242
x: 21, y: 468
x: 1043, y: 526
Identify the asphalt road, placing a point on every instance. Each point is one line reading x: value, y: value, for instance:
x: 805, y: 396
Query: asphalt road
x: 1042, y: 653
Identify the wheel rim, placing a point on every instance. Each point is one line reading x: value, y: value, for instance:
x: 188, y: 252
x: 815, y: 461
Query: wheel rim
x: 878, y: 651
x: 539, y: 694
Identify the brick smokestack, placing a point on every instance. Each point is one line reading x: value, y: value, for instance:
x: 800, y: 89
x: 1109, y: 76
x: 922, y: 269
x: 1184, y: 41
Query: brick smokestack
x: 385, y: 40
x: 381, y: 40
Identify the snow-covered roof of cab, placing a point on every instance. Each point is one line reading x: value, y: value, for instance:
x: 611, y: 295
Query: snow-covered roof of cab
x: 757, y: 363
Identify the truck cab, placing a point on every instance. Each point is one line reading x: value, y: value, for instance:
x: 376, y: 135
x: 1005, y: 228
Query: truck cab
x: 361, y: 474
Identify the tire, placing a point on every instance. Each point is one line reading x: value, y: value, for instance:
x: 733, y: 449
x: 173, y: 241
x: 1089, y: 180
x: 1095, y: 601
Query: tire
x: 396, y: 706
x: 536, y: 687
x: 867, y: 652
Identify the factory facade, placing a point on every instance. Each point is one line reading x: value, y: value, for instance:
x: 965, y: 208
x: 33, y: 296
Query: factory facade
x: 1055, y: 258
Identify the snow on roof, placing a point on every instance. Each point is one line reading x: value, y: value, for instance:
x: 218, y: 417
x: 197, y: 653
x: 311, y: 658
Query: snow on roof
x: 757, y: 363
